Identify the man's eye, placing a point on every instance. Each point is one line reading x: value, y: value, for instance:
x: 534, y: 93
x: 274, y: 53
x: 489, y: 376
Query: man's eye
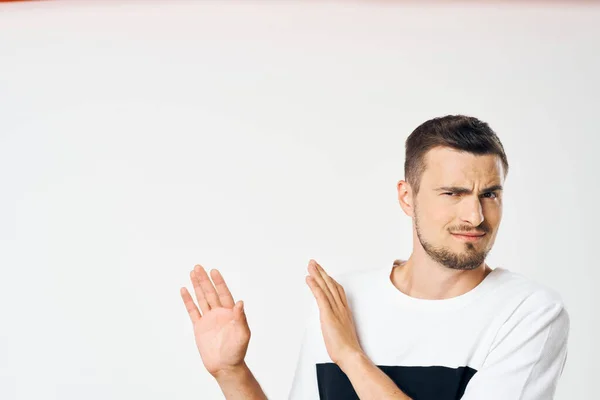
x: 493, y: 194
x: 450, y: 193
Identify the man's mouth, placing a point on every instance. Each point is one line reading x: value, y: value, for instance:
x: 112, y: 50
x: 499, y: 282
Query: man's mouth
x: 468, y: 237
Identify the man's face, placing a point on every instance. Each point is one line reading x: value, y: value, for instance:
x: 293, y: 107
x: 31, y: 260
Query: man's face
x: 459, y: 193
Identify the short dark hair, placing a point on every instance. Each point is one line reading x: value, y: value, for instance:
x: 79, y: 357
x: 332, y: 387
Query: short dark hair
x: 459, y: 132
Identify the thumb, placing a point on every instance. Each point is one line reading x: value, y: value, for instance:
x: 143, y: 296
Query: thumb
x: 238, y: 311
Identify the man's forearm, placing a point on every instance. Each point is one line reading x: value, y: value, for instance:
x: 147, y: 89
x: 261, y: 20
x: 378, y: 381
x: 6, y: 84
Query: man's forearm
x: 368, y: 381
x: 240, y: 384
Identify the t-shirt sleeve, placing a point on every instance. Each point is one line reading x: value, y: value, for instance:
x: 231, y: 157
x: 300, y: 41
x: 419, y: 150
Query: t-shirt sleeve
x: 305, y: 384
x: 527, y: 356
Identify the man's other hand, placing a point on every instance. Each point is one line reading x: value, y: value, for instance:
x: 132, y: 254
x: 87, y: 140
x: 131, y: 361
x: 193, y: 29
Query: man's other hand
x: 221, y: 330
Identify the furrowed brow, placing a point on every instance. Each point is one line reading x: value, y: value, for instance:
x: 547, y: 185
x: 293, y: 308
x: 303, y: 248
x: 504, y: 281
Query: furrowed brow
x: 461, y: 190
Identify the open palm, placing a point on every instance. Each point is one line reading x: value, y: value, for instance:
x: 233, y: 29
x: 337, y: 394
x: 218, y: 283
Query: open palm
x: 221, y: 331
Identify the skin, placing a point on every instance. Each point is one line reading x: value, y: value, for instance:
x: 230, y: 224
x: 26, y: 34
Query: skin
x: 222, y: 334
x: 441, y: 266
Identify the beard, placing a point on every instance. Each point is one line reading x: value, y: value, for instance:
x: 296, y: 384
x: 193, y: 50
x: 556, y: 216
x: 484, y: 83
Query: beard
x: 470, y: 259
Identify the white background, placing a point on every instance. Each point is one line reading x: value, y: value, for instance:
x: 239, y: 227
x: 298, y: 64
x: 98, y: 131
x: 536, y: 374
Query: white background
x: 138, y: 139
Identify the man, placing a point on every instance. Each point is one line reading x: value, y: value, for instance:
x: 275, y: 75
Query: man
x: 440, y: 325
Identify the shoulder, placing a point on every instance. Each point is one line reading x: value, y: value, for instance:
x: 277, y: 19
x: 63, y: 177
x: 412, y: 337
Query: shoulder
x: 528, y: 292
x: 531, y: 304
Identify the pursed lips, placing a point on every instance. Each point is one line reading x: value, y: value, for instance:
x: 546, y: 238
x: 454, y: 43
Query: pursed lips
x: 468, y: 236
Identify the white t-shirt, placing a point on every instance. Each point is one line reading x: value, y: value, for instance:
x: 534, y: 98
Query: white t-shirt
x: 505, y: 339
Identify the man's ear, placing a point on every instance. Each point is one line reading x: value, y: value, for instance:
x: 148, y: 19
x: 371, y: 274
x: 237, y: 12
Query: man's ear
x: 405, y: 197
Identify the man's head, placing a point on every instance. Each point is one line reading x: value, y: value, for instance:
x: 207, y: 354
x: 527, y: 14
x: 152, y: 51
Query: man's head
x: 455, y: 168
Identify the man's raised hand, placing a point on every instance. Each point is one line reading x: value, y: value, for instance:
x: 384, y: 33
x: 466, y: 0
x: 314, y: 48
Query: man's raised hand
x: 220, y: 326
x: 337, y: 323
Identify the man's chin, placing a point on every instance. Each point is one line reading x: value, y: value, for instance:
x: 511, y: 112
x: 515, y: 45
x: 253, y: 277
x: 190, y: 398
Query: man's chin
x: 460, y: 261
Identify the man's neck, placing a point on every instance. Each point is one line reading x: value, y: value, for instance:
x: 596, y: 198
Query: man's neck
x: 430, y: 280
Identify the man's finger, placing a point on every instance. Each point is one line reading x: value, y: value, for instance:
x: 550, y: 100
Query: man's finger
x: 331, y: 284
x: 207, y: 287
x: 204, y: 306
x: 190, y: 306
x: 319, y: 294
x: 222, y: 289
x: 240, y: 314
x: 316, y: 275
x: 343, y: 295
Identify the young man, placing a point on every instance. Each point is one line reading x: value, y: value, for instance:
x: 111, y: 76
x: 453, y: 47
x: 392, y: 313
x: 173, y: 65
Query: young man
x: 440, y: 325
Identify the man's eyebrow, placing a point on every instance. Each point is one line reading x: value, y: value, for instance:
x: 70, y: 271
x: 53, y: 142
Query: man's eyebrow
x: 461, y: 190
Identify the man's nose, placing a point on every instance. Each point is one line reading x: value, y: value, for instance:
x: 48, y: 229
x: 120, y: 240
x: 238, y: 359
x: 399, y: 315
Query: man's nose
x: 472, y: 211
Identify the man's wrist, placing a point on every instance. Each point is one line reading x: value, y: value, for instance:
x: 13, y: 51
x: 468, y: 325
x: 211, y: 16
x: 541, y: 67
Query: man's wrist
x: 238, y: 383
x: 234, y: 373
x: 354, y: 358
x: 367, y: 379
